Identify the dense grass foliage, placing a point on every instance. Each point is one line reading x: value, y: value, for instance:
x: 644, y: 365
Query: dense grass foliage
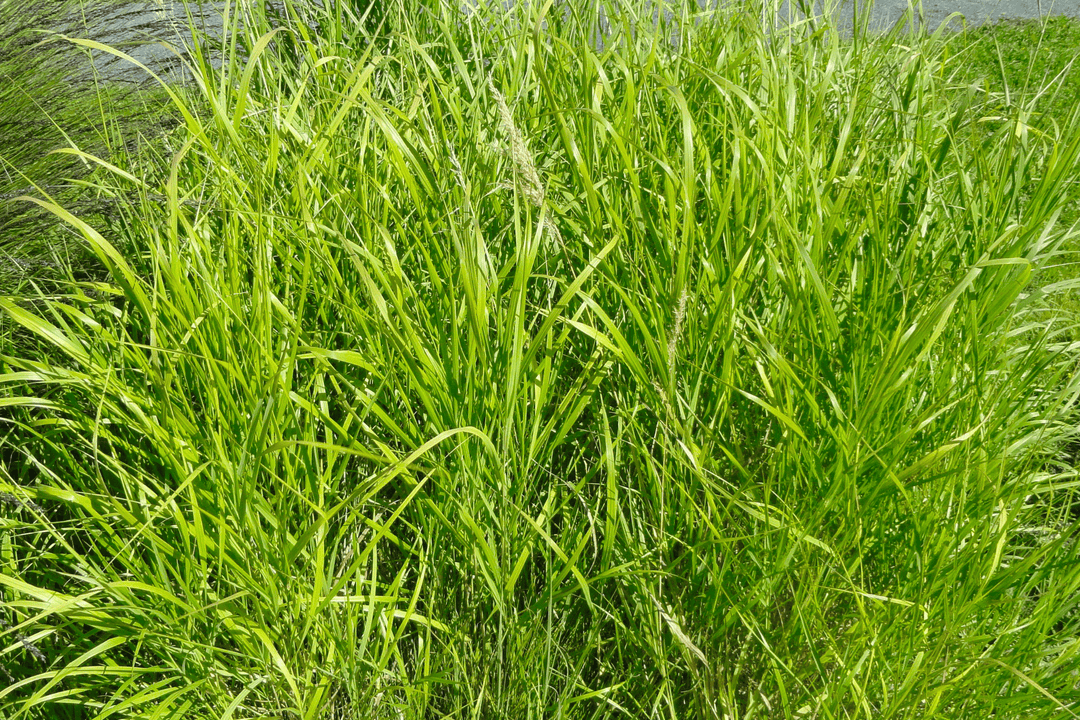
x: 451, y: 367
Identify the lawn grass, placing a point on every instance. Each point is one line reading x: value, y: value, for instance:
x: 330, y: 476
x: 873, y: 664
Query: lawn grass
x: 1031, y: 65
x: 451, y: 367
x: 1023, y: 60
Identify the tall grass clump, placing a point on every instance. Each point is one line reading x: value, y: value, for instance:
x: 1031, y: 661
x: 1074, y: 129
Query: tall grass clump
x: 457, y: 368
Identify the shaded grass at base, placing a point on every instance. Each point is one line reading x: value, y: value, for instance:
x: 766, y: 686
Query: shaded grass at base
x: 462, y: 370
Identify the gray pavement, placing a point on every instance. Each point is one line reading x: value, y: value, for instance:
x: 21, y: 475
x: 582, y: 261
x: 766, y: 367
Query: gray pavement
x: 150, y: 31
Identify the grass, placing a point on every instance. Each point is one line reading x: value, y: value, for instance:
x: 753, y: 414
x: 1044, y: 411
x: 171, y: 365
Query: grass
x: 449, y: 367
x: 1031, y: 66
x: 1027, y: 60
x: 53, y: 104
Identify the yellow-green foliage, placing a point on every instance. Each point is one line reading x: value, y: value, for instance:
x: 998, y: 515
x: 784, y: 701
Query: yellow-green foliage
x: 449, y: 366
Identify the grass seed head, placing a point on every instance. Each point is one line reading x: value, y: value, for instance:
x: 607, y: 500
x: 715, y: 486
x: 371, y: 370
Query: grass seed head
x: 676, y: 331
x: 519, y: 152
x: 522, y: 159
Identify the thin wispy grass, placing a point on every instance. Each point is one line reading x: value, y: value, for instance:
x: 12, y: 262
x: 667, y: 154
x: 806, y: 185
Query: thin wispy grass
x: 1030, y: 68
x: 777, y: 430
x: 58, y: 114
